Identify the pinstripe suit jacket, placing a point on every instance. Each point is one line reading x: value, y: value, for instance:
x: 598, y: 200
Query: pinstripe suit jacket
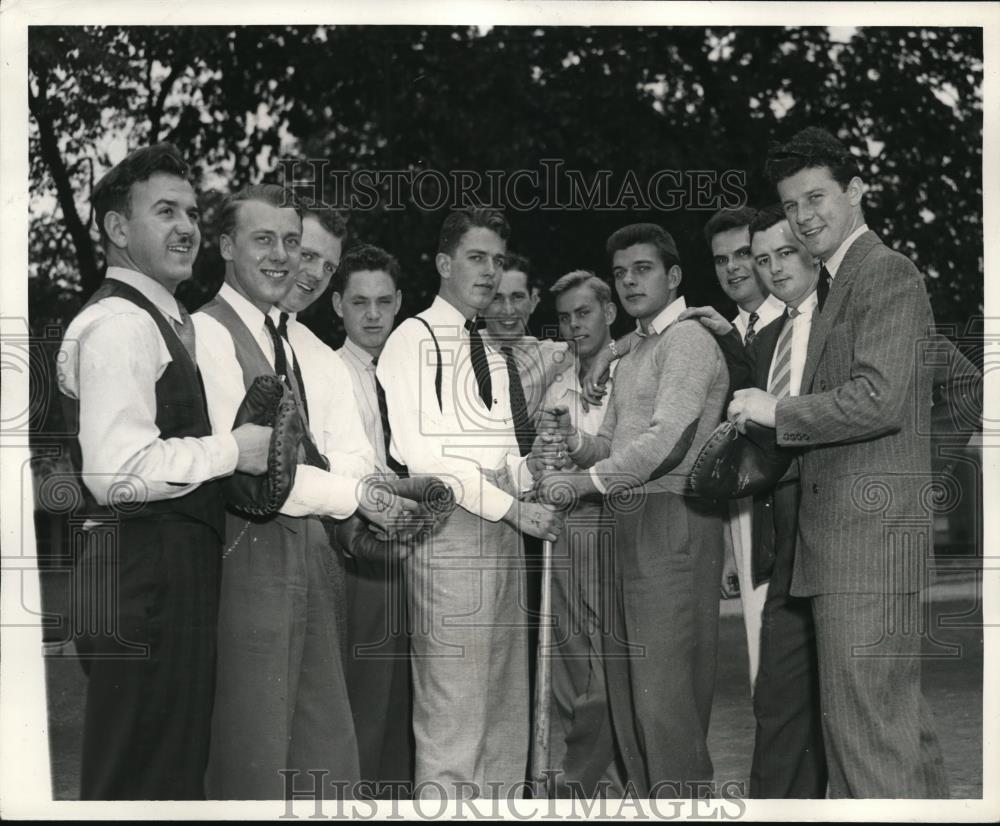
x: 863, y: 419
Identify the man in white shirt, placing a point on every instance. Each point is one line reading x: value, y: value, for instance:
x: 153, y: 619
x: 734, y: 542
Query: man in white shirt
x: 580, y: 738
x: 148, y: 460
x: 728, y: 235
x: 449, y: 411
x: 281, y: 701
x: 367, y: 297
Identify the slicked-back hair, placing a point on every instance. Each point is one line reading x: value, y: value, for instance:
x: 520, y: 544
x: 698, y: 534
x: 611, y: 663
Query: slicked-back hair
x: 766, y: 218
x: 516, y: 261
x: 654, y: 234
x: 582, y: 278
x: 460, y: 221
x: 273, y: 194
x: 727, y: 219
x: 113, y: 193
x: 332, y: 220
x: 810, y: 148
x: 365, y: 257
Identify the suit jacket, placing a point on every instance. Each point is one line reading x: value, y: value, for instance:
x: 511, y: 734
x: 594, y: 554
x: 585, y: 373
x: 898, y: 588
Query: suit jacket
x: 864, y: 421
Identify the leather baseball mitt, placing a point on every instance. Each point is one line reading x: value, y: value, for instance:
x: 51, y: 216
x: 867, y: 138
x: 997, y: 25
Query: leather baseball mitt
x: 270, y: 403
x: 731, y: 465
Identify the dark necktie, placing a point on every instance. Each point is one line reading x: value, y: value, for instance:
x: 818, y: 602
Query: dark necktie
x: 480, y: 365
x: 281, y: 364
x: 283, y: 332
x: 823, y: 287
x: 383, y: 413
x: 751, y: 333
x: 523, y: 429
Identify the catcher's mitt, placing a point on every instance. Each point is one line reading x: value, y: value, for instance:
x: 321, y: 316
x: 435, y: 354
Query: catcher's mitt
x: 731, y: 465
x: 354, y: 536
x: 270, y: 403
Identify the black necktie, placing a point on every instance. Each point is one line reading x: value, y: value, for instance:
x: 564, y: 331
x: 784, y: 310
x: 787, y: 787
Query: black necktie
x: 751, y: 333
x: 523, y: 429
x: 283, y: 332
x: 823, y: 288
x: 383, y: 413
x: 480, y: 366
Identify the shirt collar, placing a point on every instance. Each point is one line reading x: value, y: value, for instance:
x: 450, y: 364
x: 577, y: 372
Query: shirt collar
x: 668, y: 315
x: 248, y: 313
x: 809, y: 304
x: 835, y: 260
x: 442, y: 312
x: 769, y: 310
x: 358, y: 353
x: 161, y: 297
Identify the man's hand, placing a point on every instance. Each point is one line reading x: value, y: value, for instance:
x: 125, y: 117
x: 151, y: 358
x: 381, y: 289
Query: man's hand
x: 556, y: 421
x: 564, y: 489
x: 594, y: 382
x: 392, y: 516
x: 253, y: 441
x: 752, y: 405
x: 549, y: 452
x: 710, y: 318
x: 535, y: 519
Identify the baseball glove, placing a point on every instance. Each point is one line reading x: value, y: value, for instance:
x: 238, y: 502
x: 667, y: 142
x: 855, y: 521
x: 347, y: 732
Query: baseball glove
x: 731, y: 465
x: 270, y: 403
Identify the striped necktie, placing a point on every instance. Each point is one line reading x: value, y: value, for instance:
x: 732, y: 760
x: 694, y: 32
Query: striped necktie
x: 781, y: 374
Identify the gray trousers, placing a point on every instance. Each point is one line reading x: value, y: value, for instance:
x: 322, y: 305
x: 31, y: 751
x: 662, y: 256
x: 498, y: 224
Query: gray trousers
x: 281, y: 699
x: 470, y: 660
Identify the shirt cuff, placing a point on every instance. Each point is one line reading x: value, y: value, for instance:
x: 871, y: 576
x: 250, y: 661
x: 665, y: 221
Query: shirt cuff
x: 597, y: 480
x: 520, y: 475
x: 317, y: 492
x: 225, y: 455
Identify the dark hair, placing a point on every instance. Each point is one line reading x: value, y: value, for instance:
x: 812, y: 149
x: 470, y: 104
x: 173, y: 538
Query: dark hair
x: 727, y: 219
x: 332, y: 220
x: 812, y: 147
x: 766, y: 218
x: 273, y: 194
x: 113, y: 193
x: 645, y: 234
x: 516, y: 261
x: 461, y: 221
x: 365, y: 257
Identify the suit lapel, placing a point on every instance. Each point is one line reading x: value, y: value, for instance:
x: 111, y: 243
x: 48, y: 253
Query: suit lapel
x: 823, y: 321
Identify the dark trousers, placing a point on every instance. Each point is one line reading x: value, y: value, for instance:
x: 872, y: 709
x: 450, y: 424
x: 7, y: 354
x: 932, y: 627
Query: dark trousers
x: 377, y: 669
x: 661, y: 676
x: 151, y: 667
x: 281, y: 699
x: 877, y: 727
x: 788, y: 757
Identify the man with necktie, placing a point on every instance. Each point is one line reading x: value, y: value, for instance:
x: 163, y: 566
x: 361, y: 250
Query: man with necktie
x: 281, y: 700
x: 728, y: 235
x: 449, y: 409
x: 862, y: 421
x: 788, y: 757
x: 144, y: 441
x: 366, y: 296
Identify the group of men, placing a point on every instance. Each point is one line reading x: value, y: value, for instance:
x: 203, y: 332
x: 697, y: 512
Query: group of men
x: 280, y: 651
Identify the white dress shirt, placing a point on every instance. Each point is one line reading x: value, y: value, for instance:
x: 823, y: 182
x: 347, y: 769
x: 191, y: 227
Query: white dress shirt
x: 801, y: 325
x: 110, y: 360
x: 334, y: 419
x: 666, y: 317
x: 360, y: 365
x: 766, y: 313
x: 834, y: 261
x: 463, y: 436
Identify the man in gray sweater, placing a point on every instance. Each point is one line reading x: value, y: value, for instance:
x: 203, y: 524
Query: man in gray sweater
x: 668, y: 397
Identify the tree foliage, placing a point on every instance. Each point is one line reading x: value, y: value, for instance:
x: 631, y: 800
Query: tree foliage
x: 236, y: 99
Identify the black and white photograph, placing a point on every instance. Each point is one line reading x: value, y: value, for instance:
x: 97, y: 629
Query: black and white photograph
x: 518, y: 410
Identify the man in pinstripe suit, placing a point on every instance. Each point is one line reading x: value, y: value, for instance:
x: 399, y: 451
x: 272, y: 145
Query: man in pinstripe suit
x: 865, y: 466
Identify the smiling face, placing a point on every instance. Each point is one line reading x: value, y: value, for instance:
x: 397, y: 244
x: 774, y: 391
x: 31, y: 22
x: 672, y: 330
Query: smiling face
x: 645, y: 287
x: 262, y: 254
x: 512, y: 306
x: 584, y: 320
x: 821, y: 212
x: 368, y: 306
x: 319, y: 257
x: 470, y: 276
x: 160, y: 236
x: 734, y: 268
x: 785, y: 266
